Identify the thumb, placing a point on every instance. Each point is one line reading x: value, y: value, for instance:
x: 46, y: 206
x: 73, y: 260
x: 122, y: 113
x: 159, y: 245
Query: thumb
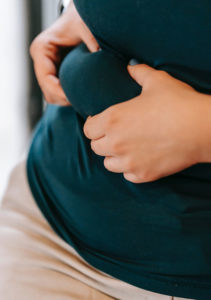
x: 140, y: 72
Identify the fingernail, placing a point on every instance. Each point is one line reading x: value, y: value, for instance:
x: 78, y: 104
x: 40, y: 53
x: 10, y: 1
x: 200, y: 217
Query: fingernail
x: 133, y: 62
x: 95, y: 48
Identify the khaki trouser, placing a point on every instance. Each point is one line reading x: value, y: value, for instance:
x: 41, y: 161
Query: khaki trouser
x: 36, y: 264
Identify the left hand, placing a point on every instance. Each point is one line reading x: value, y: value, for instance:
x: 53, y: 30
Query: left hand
x: 152, y: 135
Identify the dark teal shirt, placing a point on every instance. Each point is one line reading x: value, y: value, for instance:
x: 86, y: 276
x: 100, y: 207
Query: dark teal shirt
x: 154, y: 235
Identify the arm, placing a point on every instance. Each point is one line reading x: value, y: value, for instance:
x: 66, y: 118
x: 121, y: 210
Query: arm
x: 164, y: 130
x: 205, y: 130
x: 48, y: 47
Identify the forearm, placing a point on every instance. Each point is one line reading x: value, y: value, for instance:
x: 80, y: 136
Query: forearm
x: 204, y: 141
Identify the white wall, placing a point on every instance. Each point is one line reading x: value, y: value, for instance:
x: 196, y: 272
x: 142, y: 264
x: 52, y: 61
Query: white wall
x: 14, y: 132
x: 13, y: 83
x: 50, y: 12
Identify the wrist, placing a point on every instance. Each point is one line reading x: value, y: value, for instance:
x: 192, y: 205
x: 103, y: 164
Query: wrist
x: 204, y: 130
x: 64, y: 29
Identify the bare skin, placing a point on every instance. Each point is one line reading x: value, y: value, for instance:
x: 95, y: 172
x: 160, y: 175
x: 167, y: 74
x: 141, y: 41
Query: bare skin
x: 158, y: 133
x: 47, y: 48
x: 162, y: 131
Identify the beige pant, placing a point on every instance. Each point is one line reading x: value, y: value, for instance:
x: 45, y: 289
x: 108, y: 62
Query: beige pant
x: 36, y: 264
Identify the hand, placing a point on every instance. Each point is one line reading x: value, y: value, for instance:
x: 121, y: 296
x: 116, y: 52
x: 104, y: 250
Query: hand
x: 47, y: 48
x: 152, y: 135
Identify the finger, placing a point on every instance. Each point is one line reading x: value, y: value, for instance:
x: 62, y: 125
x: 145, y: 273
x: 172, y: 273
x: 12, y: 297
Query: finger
x: 113, y: 164
x: 131, y: 177
x: 46, y: 70
x: 44, y: 66
x: 90, y: 40
x: 54, y: 93
x: 140, y: 72
x: 94, y: 127
x: 101, y: 147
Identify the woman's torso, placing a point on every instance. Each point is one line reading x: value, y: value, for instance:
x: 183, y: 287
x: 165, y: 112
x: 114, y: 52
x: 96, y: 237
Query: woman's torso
x: 154, y: 235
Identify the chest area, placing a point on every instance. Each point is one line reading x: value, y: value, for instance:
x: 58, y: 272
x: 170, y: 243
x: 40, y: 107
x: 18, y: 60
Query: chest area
x: 176, y: 32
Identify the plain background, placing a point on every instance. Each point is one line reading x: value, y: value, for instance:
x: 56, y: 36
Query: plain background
x: 14, y: 130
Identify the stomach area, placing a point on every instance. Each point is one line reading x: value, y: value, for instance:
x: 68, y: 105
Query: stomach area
x: 94, y: 81
x: 99, y: 209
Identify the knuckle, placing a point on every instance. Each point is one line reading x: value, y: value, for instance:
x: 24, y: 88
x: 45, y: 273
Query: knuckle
x: 151, y: 76
x: 111, y: 118
x: 160, y: 74
x: 135, y: 179
x: 144, y: 176
x: 93, y: 145
x: 34, y: 45
x: 106, y: 163
x: 138, y: 177
x: 86, y: 130
x: 131, y: 177
x: 116, y: 146
x: 129, y: 164
x: 38, y: 44
x: 155, y: 75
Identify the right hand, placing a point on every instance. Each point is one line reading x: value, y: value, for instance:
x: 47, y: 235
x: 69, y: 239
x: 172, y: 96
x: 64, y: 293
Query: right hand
x: 46, y: 51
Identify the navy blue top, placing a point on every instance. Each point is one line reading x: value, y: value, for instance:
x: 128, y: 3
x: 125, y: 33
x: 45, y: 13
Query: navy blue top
x: 154, y: 235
